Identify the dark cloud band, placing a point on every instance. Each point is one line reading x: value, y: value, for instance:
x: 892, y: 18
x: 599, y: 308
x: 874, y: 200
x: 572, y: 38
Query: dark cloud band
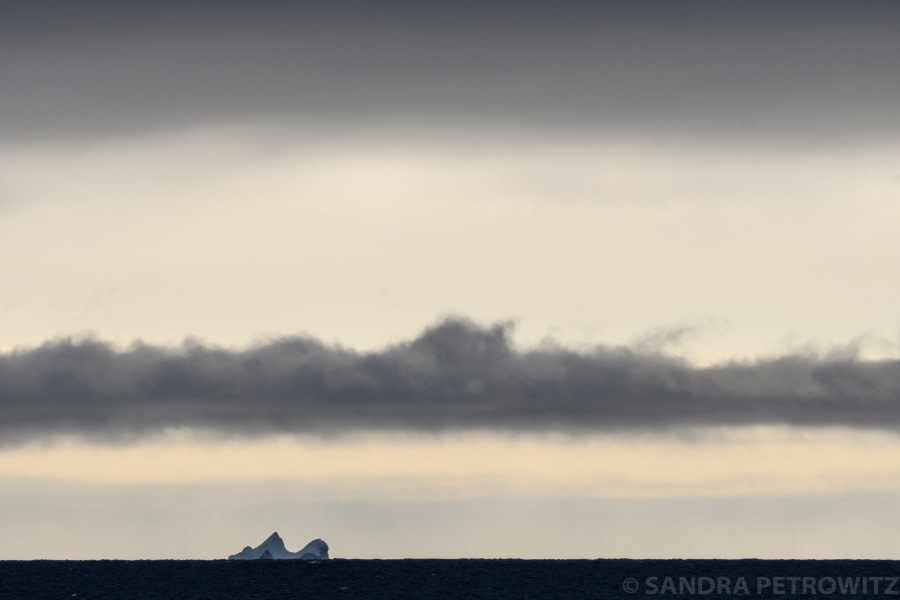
x: 698, y: 68
x: 454, y: 376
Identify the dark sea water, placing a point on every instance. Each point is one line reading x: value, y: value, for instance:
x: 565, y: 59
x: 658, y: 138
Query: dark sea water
x: 450, y: 579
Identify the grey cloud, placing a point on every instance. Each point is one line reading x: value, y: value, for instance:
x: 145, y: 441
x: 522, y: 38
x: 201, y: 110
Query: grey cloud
x: 454, y: 376
x: 807, y: 70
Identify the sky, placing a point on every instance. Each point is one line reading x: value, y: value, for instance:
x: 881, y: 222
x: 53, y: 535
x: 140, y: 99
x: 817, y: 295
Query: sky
x: 595, y: 279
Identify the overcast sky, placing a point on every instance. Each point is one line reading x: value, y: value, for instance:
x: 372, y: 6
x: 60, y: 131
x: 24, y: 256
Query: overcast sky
x: 632, y: 262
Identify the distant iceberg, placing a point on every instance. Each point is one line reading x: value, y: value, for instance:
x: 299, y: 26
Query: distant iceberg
x: 273, y: 548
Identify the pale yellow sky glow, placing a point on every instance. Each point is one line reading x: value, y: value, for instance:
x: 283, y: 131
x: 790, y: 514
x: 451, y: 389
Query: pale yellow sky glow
x: 237, y: 235
x: 762, y: 461
x: 760, y: 492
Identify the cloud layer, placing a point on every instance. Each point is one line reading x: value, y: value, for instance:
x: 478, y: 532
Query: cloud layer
x: 696, y: 68
x: 454, y: 376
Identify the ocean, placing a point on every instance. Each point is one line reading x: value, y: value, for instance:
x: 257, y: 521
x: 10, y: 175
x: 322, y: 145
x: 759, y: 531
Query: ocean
x: 448, y: 579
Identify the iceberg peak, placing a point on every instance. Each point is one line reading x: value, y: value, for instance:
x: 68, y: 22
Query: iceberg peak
x: 273, y: 548
x: 274, y: 541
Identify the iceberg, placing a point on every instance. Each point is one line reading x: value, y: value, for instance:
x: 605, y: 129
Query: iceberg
x: 273, y: 548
